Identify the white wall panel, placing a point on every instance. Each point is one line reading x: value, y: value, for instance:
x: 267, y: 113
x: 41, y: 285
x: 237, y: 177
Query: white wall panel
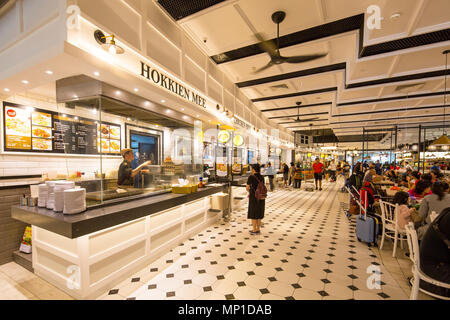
x: 116, y: 16
x: 161, y: 50
x: 158, y: 19
x: 36, y: 13
x: 194, y: 75
x: 215, y: 90
x: 229, y: 101
x: 191, y: 50
x: 10, y: 27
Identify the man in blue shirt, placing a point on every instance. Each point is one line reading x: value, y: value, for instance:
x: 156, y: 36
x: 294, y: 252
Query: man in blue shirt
x: 436, y: 167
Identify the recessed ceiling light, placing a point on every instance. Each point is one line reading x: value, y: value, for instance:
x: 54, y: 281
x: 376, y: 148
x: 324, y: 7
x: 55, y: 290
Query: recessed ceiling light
x: 168, y: 111
x: 94, y: 111
x: 128, y: 119
x: 163, y: 101
x: 96, y: 73
x: 182, y: 109
x: 136, y: 89
x: 118, y: 92
x: 185, y: 117
x: 49, y: 72
x: 147, y: 103
x: 395, y: 16
x: 25, y: 81
x: 64, y: 115
x: 197, y: 115
x: 75, y: 96
x: 6, y: 89
x: 76, y: 118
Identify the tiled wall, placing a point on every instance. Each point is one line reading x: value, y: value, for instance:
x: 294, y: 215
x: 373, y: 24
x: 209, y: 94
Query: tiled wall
x: 11, y: 231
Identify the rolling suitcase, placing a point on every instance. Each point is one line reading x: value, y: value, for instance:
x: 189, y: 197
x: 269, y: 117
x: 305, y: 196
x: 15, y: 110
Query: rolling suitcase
x: 367, y: 227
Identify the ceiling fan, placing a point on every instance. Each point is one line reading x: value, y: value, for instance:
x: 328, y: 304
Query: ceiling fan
x: 298, y: 115
x: 274, y: 50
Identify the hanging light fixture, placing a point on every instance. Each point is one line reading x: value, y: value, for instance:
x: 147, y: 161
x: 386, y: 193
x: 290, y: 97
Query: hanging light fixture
x: 443, y: 140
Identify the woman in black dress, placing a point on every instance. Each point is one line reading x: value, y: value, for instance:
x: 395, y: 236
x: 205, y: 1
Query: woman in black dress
x: 256, y: 207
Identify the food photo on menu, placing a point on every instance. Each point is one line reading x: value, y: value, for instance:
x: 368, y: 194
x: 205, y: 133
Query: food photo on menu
x: 42, y: 144
x: 41, y: 132
x: 41, y: 119
x: 114, y: 132
x: 17, y: 128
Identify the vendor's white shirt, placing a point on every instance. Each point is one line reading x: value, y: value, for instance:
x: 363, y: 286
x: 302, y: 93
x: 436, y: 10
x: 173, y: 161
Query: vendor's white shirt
x: 332, y: 167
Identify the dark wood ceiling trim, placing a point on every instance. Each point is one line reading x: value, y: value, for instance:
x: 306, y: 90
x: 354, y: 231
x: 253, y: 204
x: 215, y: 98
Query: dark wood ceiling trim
x: 338, y: 27
x: 414, y: 96
x: 179, y: 9
x: 298, y: 94
x: 399, y: 118
x: 293, y: 122
x: 303, y: 36
x: 291, y: 75
x: 386, y: 111
x: 295, y: 115
x: 410, y: 77
x: 406, y: 43
x: 295, y: 107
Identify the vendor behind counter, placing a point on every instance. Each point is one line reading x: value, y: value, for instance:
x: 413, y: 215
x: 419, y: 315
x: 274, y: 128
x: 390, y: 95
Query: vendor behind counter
x: 127, y: 174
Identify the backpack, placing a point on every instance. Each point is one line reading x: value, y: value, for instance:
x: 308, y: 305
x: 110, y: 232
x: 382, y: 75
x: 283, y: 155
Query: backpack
x: 261, y: 190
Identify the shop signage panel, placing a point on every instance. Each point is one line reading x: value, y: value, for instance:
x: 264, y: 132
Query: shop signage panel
x: 43, y: 131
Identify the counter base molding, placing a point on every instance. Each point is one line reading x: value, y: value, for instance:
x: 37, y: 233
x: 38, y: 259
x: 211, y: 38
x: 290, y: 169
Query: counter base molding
x: 87, y: 266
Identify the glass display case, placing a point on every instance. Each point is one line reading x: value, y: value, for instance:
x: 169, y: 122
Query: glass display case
x: 85, y: 140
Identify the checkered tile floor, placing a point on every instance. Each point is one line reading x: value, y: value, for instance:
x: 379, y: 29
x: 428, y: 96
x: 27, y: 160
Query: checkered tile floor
x: 307, y: 250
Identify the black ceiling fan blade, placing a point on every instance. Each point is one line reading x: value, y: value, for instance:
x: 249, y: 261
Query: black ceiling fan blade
x: 305, y: 58
x: 267, y: 45
x: 267, y: 66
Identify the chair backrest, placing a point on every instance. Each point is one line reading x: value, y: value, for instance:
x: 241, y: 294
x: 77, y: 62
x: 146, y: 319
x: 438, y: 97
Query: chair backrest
x: 389, y: 212
x: 413, y: 244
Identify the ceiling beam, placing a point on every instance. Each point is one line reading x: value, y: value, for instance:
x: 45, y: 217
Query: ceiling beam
x: 297, y: 94
x: 296, y: 107
x: 387, y: 111
x: 303, y: 115
x: 291, y: 75
x: 396, y: 98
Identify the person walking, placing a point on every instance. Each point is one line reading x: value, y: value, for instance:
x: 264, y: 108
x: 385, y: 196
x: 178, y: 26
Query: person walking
x: 269, y: 172
x: 298, y: 177
x: 256, y: 207
x: 332, y: 171
x: 291, y: 173
x: 318, y: 171
x: 285, y: 174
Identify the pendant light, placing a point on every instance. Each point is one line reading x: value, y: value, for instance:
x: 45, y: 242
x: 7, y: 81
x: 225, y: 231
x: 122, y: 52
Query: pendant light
x: 443, y: 141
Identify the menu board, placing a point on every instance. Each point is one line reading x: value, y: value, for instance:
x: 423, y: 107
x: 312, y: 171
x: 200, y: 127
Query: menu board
x: 221, y: 162
x: 17, y: 128
x: 237, y: 161
x: 110, y: 138
x: 35, y: 130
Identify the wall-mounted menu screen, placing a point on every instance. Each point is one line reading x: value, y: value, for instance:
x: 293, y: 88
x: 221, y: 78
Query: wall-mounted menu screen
x: 35, y: 130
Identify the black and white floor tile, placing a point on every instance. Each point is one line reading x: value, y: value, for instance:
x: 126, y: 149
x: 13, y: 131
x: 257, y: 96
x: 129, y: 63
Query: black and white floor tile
x: 307, y: 250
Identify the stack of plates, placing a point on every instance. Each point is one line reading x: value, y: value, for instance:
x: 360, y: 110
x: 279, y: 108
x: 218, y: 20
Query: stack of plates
x: 59, y: 194
x: 42, y: 195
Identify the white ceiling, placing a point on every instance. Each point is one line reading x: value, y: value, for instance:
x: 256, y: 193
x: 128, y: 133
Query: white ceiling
x: 231, y: 25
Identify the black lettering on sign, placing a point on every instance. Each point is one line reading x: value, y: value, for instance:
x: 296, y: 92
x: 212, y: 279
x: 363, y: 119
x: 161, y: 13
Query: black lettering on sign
x: 155, y: 76
x: 171, y: 85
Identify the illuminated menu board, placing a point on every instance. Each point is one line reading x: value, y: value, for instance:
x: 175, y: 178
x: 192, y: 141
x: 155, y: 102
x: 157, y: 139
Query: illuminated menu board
x: 35, y: 130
